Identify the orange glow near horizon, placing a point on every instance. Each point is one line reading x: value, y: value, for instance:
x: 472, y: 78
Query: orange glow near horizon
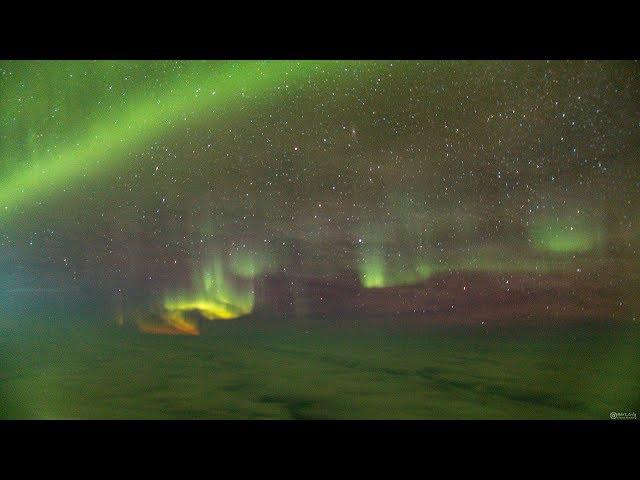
x: 172, y: 324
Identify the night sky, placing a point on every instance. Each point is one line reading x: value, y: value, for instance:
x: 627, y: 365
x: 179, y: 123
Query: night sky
x: 182, y: 186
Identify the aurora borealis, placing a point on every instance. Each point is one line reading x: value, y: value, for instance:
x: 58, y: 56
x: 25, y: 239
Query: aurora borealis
x: 319, y: 239
x: 184, y: 183
x: 198, y: 90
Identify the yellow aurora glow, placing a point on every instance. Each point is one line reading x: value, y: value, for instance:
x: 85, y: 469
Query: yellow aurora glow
x: 218, y: 293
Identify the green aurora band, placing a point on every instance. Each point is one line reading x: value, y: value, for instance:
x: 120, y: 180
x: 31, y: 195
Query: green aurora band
x: 377, y: 270
x: 36, y: 164
x: 566, y: 235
